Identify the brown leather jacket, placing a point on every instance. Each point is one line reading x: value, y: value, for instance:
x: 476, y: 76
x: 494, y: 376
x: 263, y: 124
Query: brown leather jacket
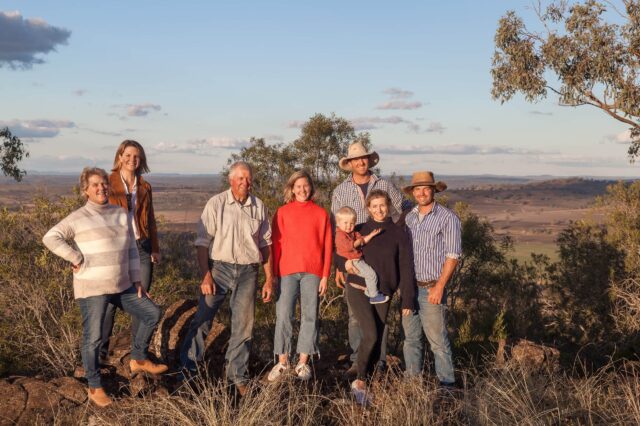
x: 144, y: 215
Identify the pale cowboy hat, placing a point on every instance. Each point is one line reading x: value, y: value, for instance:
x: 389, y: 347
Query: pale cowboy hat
x: 424, y: 179
x: 357, y: 150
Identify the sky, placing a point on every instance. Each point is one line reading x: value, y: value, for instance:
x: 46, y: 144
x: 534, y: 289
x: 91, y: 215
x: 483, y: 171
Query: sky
x: 193, y: 81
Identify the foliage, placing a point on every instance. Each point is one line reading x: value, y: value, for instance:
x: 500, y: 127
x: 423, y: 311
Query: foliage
x: 11, y: 153
x: 621, y: 205
x: 593, y: 62
x: 323, y: 141
x: 491, y: 296
x: 579, y: 285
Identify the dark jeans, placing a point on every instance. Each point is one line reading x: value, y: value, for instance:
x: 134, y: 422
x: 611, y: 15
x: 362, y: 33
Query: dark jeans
x: 242, y: 282
x: 146, y: 273
x: 93, y: 311
x: 371, y: 321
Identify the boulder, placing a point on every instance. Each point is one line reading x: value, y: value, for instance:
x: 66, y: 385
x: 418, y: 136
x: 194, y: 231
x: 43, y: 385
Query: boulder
x: 534, y: 356
x: 13, y: 399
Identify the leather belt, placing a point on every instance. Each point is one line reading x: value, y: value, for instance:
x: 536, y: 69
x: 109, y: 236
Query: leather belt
x: 427, y: 284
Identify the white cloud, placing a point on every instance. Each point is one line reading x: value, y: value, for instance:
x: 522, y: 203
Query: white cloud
x: 37, y: 128
x: 64, y: 163
x: 295, y: 124
x: 79, y: 92
x: 535, y: 112
x: 396, y: 93
x: 400, y: 105
x: 208, y: 146
x: 22, y: 39
x: 457, y: 149
x: 621, y: 138
x: 141, y: 110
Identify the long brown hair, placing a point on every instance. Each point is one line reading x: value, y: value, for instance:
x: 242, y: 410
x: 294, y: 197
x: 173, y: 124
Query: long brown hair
x: 143, y: 168
x: 288, y: 187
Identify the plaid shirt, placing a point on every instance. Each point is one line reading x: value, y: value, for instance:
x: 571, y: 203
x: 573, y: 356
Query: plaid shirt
x: 436, y: 237
x: 349, y: 194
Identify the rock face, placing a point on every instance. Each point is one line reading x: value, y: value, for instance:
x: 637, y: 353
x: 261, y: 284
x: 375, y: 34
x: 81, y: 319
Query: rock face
x: 535, y: 357
x: 27, y: 400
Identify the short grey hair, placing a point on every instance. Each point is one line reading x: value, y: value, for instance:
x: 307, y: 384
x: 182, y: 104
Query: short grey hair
x: 240, y: 165
x: 87, y: 172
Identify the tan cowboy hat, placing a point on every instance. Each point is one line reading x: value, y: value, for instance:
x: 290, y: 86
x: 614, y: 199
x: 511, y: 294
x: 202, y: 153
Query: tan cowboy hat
x: 424, y: 179
x: 357, y: 150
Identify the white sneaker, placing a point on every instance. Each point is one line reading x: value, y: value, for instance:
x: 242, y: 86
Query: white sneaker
x: 360, y: 395
x: 276, y: 372
x: 303, y: 371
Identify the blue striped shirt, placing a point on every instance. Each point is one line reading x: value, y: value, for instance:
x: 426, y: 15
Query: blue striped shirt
x: 435, y: 238
x: 349, y: 194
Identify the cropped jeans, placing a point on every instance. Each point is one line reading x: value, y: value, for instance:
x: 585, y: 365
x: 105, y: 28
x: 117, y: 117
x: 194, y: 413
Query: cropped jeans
x: 432, y: 319
x: 146, y: 272
x: 93, y: 311
x: 305, y: 286
x: 240, y: 281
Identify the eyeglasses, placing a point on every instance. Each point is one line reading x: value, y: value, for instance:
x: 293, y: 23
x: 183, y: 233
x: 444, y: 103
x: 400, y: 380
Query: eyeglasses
x: 129, y: 206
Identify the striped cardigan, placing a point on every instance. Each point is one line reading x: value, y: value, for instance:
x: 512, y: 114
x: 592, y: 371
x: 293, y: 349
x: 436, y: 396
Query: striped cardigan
x: 104, y: 246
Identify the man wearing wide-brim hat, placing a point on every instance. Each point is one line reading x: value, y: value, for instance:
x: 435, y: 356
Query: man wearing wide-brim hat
x: 436, y: 238
x: 352, y: 193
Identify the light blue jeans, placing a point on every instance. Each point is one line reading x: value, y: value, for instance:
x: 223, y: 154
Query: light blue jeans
x: 93, y: 311
x: 432, y: 319
x: 305, y: 286
x: 369, y: 275
x: 241, y: 281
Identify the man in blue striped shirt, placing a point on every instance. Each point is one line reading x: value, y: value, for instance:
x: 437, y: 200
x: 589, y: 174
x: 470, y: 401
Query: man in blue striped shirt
x: 435, y: 233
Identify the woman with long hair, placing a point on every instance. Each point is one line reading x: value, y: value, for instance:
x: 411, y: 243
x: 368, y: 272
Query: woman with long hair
x: 302, y: 250
x: 132, y: 192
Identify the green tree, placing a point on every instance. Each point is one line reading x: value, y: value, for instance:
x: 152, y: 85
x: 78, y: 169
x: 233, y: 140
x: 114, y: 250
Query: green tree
x: 578, y: 56
x: 272, y: 165
x: 12, y: 151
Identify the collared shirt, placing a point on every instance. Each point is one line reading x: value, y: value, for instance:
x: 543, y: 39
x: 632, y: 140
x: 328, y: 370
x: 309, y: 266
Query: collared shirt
x: 348, y: 194
x: 234, y: 232
x: 435, y: 237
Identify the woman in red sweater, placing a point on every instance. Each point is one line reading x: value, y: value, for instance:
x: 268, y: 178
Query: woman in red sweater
x: 302, y: 246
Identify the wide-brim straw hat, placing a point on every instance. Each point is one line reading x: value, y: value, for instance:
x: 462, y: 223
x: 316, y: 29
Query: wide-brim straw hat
x: 357, y: 150
x: 424, y: 179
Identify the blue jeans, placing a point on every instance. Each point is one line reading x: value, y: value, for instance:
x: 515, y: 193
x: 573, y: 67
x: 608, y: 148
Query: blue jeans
x: 306, y: 286
x: 241, y: 281
x: 146, y: 272
x: 369, y: 275
x: 93, y: 311
x: 433, y: 320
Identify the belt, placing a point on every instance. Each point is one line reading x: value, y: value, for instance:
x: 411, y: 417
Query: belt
x: 427, y: 284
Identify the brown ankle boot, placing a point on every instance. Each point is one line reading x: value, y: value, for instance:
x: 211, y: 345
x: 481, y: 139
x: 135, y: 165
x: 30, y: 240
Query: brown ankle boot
x: 146, y: 366
x: 99, y: 398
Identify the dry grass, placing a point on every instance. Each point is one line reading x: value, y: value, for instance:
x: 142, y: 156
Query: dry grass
x: 626, y: 295
x: 511, y: 395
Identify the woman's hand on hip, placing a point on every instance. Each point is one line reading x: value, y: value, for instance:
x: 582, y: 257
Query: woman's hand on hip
x: 406, y: 312
x: 339, y: 278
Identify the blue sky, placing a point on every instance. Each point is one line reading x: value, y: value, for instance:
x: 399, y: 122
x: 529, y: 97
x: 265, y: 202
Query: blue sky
x: 193, y: 81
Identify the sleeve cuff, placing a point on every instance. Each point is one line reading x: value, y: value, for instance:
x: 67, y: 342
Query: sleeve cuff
x: 452, y: 255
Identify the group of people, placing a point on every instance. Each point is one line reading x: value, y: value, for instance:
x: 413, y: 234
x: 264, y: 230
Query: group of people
x: 380, y: 243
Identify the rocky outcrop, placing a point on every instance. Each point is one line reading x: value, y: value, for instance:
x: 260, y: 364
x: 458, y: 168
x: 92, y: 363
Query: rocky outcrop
x: 33, y: 400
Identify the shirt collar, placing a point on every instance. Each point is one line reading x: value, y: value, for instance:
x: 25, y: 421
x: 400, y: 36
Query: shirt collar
x: 231, y: 200
x: 373, y: 179
x: 434, y: 210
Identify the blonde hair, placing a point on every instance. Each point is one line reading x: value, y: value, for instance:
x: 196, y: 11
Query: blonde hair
x: 288, y: 187
x: 143, y: 168
x: 346, y: 212
x: 87, y: 172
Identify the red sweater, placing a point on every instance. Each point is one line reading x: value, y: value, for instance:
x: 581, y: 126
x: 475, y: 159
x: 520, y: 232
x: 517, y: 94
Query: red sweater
x: 302, y: 241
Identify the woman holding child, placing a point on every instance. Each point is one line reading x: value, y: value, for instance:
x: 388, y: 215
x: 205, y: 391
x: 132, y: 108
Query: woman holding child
x: 386, y: 250
x: 302, y: 250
